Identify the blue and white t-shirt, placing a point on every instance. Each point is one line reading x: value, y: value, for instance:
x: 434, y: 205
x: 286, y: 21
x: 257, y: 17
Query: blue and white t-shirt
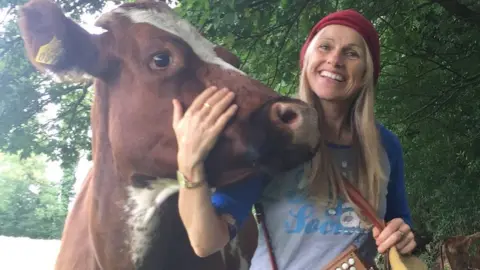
x: 306, y: 235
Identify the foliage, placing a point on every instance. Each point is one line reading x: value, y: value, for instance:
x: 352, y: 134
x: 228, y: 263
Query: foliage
x: 37, y: 115
x: 30, y: 204
x: 426, y: 94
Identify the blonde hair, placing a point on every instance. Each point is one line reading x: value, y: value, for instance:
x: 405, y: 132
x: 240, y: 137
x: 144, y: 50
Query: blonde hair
x: 366, y: 143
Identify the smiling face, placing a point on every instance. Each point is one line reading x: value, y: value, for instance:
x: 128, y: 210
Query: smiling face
x: 337, y: 63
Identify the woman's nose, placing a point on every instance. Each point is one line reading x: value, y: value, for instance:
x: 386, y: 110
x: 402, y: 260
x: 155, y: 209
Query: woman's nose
x: 335, y: 58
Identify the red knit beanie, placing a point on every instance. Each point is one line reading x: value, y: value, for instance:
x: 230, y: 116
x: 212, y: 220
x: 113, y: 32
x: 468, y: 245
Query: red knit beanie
x: 359, y: 23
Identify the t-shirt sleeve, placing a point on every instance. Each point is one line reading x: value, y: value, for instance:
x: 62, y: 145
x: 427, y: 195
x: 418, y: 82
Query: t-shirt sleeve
x: 237, y: 200
x: 397, y: 204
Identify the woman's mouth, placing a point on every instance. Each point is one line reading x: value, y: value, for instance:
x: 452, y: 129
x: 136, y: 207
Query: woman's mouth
x: 333, y: 76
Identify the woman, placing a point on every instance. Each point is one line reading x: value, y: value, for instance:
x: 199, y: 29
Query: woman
x: 309, y: 219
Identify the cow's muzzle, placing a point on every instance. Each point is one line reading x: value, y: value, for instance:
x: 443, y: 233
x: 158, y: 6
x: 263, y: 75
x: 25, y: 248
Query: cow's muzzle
x: 298, y: 119
x: 284, y: 134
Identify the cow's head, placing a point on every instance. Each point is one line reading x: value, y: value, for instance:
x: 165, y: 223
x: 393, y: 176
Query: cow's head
x: 147, y: 57
x: 462, y: 252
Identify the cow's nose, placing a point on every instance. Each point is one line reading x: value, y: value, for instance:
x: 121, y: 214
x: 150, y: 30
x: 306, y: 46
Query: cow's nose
x: 287, y: 114
x: 299, y: 119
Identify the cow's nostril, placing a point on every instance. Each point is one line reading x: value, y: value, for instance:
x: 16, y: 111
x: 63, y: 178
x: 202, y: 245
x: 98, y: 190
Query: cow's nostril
x: 287, y: 114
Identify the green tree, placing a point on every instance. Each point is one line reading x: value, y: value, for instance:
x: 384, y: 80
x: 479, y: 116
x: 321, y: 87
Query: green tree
x: 427, y: 92
x: 30, y: 204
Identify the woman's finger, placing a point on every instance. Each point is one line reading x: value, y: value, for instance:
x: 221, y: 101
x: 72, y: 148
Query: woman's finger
x: 177, y: 113
x: 199, y: 102
x: 217, y: 96
x: 223, y: 119
x: 389, y: 242
x: 405, y: 235
x: 390, y: 229
x: 408, y: 248
x: 375, y: 232
x: 220, y: 107
x: 405, y: 240
x: 405, y: 228
x: 211, y: 103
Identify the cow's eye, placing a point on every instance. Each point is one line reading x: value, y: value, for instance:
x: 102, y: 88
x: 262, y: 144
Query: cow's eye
x: 160, y: 61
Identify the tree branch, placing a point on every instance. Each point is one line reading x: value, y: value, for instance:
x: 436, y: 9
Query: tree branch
x: 426, y: 58
x: 250, y: 49
x: 254, y: 5
x: 284, y: 41
x: 460, y: 10
x: 76, y: 104
x: 459, y: 87
x: 6, y: 15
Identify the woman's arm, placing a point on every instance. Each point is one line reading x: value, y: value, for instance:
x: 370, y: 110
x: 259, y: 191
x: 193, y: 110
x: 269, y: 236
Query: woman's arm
x: 207, y: 231
x: 398, y: 230
x: 397, y: 203
x: 213, y: 219
x: 210, y: 220
x: 197, y: 131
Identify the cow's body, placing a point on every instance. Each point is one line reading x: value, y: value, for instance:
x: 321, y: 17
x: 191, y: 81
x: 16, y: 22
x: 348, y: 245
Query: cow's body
x: 459, y: 253
x: 126, y: 214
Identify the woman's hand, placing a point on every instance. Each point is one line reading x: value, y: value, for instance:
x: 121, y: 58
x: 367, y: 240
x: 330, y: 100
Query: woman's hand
x: 197, y: 130
x: 397, y: 233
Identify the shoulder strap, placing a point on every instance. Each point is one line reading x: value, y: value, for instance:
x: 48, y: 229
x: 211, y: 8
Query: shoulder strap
x: 364, y: 206
x: 260, y: 215
x: 368, y: 211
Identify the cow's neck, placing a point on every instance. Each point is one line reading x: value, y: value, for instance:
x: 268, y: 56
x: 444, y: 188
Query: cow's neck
x: 107, y: 221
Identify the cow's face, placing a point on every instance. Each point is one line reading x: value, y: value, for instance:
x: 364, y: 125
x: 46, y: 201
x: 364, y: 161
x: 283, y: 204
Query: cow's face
x: 147, y: 57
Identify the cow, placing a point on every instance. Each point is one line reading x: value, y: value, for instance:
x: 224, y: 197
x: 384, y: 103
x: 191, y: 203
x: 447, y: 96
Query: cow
x: 459, y: 253
x: 126, y: 214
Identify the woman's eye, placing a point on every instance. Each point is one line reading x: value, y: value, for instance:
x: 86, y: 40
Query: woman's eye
x: 352, y: 54
x: 160, y: 61
x: 323, y: 47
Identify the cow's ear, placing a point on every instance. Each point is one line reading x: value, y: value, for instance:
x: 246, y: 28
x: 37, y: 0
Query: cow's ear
x: 227, y: 56
x: 55, y: 43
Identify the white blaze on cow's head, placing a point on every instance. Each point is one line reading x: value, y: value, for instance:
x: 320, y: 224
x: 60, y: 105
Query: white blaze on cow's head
x: 162, y: 17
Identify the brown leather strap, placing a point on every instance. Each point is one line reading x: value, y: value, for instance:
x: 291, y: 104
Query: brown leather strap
x: 260, y: 214
x: 367, y: 210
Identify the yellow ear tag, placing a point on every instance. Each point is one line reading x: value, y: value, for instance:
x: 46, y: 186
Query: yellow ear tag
x: 50, y: 53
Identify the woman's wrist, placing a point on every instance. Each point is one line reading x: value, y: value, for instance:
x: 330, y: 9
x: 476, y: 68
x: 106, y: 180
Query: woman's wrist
x: 193, y: 173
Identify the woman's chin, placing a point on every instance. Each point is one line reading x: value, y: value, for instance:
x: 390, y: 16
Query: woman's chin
x: 331, y: 96
x: 328, y: 93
